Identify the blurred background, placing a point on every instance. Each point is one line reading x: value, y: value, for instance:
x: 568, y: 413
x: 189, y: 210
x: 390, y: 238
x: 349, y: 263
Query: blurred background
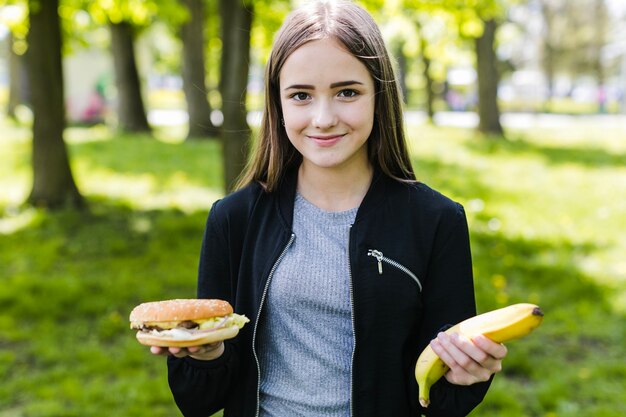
x: 122, y: 121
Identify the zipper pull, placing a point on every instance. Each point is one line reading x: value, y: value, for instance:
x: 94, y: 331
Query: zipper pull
x: 379, y: 257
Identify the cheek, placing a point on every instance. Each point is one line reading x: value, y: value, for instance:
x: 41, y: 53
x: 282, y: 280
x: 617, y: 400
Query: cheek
x: 292, y: 117
x: 361, y: 117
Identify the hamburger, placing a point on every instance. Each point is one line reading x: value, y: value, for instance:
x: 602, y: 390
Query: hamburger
x: 185, y: 322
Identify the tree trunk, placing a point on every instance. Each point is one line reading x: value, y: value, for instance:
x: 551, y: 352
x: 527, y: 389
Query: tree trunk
x: 549, y: 68
x: 193, y: 71
x: 600, y: 25
x: 53, y: 183
x: 488, y: 110
x: 236, y: 24
x: 549, y: 52
x: 131, y: 111
x: 430, y: 91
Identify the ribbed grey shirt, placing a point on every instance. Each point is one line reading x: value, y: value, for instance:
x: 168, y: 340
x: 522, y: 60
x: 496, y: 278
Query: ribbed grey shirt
x: 306, y: 337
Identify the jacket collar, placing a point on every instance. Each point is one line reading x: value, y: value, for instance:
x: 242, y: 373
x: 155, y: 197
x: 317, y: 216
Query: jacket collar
x: 286, y: 194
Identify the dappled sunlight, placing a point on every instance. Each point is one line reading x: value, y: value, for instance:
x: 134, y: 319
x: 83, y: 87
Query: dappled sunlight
x: 87, y: 134
x: 15, y: 220
x: 549, y: 186
x: 146, y: 191
x: 13, y: 190
x: 142, y: 172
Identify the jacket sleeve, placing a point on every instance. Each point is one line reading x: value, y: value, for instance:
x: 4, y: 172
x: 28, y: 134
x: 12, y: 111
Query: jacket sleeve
x: 449, y: 299
x: 200, y: 387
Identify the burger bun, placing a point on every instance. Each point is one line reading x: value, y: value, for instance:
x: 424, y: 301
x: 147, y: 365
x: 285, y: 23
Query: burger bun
x: 191, y: 339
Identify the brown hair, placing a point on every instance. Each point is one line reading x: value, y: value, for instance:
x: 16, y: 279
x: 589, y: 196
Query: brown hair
x: 356, y: 30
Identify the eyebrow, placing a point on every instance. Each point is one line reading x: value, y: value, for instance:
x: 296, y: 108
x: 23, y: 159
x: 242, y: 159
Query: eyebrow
x: 333, y: 85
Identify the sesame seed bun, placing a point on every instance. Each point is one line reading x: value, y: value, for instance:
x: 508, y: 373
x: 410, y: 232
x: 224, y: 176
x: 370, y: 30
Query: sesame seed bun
x: 178, y: 310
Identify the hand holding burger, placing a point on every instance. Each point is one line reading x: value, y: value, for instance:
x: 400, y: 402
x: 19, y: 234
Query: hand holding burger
x: 205, y: 353
x: 194, y: 327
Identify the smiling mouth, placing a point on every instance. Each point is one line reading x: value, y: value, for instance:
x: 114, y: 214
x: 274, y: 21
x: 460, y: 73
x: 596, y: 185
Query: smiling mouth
x: 328, y: 137
x: 326, y: 141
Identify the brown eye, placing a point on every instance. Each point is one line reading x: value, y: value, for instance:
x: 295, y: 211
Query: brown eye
x: 348, y: 93
x: 300, y: 96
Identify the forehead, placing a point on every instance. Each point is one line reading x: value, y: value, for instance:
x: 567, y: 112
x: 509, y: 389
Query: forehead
x: 322, y: 61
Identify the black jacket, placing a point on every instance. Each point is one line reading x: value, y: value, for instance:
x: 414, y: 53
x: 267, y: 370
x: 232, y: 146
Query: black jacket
x: 411, y: 224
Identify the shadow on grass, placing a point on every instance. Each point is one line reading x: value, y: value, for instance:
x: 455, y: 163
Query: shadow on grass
x: 462, y: 183
x: 546, y: 271
x: 199, y: 161
x: 591, y: 157
x: 69, y: 281
x: 105, y: 258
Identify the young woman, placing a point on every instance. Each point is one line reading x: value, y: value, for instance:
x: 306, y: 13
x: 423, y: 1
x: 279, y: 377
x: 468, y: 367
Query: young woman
x: 346, y: 265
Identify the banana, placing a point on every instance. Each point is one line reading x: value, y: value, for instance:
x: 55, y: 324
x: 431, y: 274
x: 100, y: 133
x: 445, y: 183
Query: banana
x: 499, y: 325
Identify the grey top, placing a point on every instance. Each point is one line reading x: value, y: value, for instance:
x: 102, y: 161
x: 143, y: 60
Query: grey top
x: 306, y: 336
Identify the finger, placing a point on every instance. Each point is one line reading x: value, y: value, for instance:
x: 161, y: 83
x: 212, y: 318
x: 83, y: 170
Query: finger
x: 494, y: 349
x: 475, y: 352
x: 456, y: 374
x: 204, y: 348
x: 439, y: 346
x: 457, y: 348
x: 207, y: 352
x: 155, y: 350
x: 480, y: 356
x: 178, y: 352
x: 200, y: 349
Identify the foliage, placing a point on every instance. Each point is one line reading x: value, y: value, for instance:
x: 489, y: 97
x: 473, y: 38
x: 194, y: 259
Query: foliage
x: 545, y: 211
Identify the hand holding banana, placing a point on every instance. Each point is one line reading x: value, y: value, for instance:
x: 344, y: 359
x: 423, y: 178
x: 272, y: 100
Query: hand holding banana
x: 500, y: 326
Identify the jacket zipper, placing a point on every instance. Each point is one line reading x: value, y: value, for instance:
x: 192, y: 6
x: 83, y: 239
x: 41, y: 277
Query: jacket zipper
x: 353, y: 327
x: 381, y: 258
x: 256, y: 323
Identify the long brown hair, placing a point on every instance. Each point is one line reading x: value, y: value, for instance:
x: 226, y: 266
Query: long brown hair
x: 356, y: 30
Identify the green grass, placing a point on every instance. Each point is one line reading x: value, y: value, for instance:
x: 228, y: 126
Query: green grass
x: 547, y: 214
x: 546, y: 210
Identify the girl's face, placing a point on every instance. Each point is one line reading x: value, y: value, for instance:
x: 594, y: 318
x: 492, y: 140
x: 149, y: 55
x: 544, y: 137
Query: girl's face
x: 327, y: 98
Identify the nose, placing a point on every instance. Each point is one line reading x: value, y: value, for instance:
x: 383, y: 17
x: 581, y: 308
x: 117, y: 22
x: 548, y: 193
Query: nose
x: 325, y: 115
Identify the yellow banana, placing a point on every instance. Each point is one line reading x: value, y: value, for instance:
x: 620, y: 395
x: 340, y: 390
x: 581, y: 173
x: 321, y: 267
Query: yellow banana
x: 499, y: 325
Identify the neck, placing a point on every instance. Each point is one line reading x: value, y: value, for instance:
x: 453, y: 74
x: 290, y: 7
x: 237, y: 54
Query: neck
x: 333, y: 190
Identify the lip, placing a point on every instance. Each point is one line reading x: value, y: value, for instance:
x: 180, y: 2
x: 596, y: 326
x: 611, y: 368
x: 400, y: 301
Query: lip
x: 326, y: 140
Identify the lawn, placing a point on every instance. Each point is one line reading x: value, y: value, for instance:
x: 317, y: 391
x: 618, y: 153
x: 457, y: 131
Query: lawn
x: 547, y: 214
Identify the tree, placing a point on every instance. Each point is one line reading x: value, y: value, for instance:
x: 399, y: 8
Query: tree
x: 236, y: 23
x: 426, y: 63
x: 193, y: 72
x: 550, y: 11
x: 487, y: 72
x: 598, y: 42
x: 575, y: 52
x: 53, y: 183
x: 124, y: 19
x: 476, y: 21
x: 131, y: 111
